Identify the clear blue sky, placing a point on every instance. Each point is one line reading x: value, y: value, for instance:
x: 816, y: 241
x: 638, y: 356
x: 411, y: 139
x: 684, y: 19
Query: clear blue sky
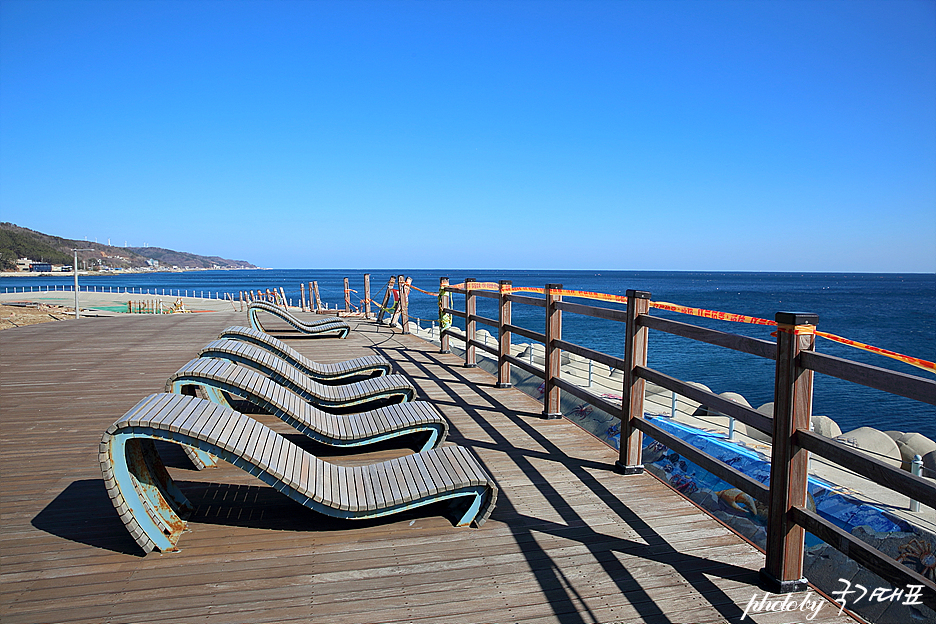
x: 671, y: 135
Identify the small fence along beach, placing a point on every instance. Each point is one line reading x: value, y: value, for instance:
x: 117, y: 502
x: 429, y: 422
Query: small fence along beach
x: 891, y: 311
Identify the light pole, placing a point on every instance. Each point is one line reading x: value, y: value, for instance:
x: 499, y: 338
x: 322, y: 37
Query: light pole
x: 75, y: 269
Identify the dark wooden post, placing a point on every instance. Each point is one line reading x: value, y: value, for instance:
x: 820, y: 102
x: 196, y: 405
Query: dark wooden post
x: 471, y: 360
x: 783, y: 570
x: 347, y: 296
x: 553, y: 354
x: 445, y: 300
x: 302, y: 306
x: 630, y: 459
x: 386, y: 300
x: 318, y: 298
x: 503, y: 335
x: 367, y: 295
x: 403, y: 285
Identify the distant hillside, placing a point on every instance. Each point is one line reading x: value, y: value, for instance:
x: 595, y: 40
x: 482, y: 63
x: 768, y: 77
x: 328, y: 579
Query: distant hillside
x: 19, y: 242
x: 167, y: 257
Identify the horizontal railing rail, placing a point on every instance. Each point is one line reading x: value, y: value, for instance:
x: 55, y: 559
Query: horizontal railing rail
x: 702, y: 459
x: 526, y: 333
x: 533, y: 301
x: 910, y: 386
x: 594, y: 311
x: 917, y: 488
x: 484, y: 319
x: 753, y: 346
x: 728, y: 407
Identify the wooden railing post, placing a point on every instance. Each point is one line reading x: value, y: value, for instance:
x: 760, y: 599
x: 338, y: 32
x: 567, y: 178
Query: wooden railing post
x: 445, y: 300
x: 302, y: 305
x: 553, y: 353
x: 367, y: 295
x: 347, y: 296
x: 386, y: 300
x: 403, y: 285
x: 630, y: 460
x: 318, y: 298
x: 503, y: 336
x: 471, y: 360
x: 793, y: 388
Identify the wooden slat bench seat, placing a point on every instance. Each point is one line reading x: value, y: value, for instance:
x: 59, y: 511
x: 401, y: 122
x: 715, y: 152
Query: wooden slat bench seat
x: 216, y: 377
x: 152, y: 507
x: 369, y: 365
x: 385, y: 389
x: 322, y: 326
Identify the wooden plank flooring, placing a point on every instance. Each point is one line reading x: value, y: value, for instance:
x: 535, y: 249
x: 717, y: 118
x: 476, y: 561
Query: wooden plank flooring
x: 570, y: 540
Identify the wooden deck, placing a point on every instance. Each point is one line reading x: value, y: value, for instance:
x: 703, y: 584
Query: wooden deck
x: 570, y: 540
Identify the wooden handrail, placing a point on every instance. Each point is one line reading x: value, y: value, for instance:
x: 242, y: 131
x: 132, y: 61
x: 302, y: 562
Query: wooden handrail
x: 594, y: 311
x: 591, y: 354
x: 705, y: 461
x: 727, y: 407
x: 865, y: 554
x: 896, y: 479
x: 533, y: 370
x: 533, y: 301
x: 910, y: 386
x: 483, y: 319
x: 796, y: 361
x: 526, y: 333
x: 754, y: 346
x: 590, y: 398
x: 480, y: 345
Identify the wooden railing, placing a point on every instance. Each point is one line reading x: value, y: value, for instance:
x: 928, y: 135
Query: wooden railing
x: 796, y: 362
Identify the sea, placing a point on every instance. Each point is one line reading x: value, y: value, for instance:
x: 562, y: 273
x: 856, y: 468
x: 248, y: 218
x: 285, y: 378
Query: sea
x: 892, y: 311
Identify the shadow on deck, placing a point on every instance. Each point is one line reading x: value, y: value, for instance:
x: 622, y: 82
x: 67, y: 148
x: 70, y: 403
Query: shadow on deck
x: 570, y: 540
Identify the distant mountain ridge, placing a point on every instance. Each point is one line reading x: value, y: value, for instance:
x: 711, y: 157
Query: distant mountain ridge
x: 19, y: 242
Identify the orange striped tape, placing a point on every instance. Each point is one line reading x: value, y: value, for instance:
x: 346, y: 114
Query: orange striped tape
x: 918, y: 362
x: 712, y: 314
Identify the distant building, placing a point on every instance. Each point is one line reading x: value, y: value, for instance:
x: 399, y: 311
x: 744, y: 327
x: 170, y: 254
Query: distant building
x: 23, y: 264
x: 41, y: 267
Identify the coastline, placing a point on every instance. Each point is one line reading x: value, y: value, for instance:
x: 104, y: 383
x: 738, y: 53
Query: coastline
x: 71, y: 274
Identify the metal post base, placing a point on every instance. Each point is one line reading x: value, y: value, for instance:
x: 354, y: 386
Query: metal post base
x: 469, y: 365
x: 445, y: 350
x: 628, y: 470
x: 551, y: 416
x: 776, y: 586
x: 503, y: 385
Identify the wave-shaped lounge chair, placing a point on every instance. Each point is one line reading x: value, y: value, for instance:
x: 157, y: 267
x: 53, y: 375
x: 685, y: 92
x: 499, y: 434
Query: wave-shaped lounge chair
x: 386, y: 389
x: 369, y: 365
x: 322, y: 326
x: 152, y: 507
x: 216, y: 377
